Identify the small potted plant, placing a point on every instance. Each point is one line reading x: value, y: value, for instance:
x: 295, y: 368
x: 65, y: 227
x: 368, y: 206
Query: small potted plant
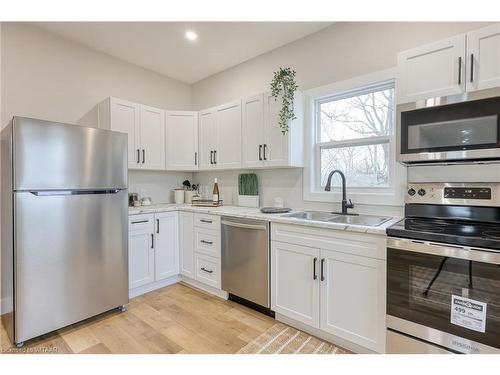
x: 248, y: 190
x: 284, y: 85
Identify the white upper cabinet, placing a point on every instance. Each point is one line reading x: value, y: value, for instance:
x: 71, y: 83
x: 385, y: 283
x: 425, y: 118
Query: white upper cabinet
x: 208, y: 138
x: 252, y: 131
x: 263, y: 143
x: 433, y: 70
x: 276, y: 144
x: 220, y: 137
x: 152, y: 137
x: 228, y: 122
x: 145, y: 127
x: 463, y: 63
x: 123, y: 116
x: 182, y: 140
x: 483, y: 48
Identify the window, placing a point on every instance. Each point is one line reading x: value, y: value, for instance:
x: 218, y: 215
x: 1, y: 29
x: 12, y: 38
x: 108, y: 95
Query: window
x: 354, y: 133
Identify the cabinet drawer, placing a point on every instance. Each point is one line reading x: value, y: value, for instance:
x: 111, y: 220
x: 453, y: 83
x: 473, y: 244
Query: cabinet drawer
x: 141, y: 223
x: 362, y: 244
x: 207, y: 241
x: 208, y: 270
x: 207, y: 221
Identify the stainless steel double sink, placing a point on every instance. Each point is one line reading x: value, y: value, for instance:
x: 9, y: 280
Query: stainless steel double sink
x: 367, y: 220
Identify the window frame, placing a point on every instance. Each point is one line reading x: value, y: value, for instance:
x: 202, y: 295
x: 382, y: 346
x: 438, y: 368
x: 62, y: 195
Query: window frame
x: 378, y: 195
x: 353, y: 142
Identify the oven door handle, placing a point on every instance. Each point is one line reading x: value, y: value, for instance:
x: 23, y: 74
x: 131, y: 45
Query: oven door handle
x: 445, y: 250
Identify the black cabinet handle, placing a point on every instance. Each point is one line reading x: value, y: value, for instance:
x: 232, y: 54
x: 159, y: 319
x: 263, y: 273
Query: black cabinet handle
x: 152, y: 241
x: 207, y: 242
x: 211, y: 157
x: 460, y: 70
x: 195, y: 158
x: 206, y: 221
x: 215, y: 156
x: 322, y: 269
x: 315, y: 276
x: 143, y: 156
x: 140, y: 221
x: 157, y: 225
x: 471, y: 67
x: 265, y: 148
x: 207, y: 271
x: 260, y: 152
x: 138, y: 156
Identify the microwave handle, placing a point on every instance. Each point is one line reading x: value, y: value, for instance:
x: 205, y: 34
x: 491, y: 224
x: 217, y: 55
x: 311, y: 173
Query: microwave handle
x: 459, y: 70
x: 472, y: 67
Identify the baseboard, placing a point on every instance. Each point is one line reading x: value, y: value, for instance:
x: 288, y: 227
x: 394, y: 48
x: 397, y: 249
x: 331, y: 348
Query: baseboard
x: 153, y: 286
x: 324, y: 335
x: 173, y: 280
x: 217, y: 292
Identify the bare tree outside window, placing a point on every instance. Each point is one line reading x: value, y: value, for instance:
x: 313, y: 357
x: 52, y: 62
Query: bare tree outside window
x: 354, y: 136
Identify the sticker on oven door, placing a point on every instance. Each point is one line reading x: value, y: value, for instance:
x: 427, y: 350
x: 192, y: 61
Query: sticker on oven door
x: 468, y: 313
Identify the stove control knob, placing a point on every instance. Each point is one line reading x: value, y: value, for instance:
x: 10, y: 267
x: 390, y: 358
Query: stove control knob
x: 421, y: 192
x: 411, y: 192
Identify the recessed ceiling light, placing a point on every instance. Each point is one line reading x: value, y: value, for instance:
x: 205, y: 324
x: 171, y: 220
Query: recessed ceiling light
x: 191, y: 35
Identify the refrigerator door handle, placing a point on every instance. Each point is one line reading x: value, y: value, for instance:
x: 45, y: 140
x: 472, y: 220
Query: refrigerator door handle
x: 74, y: 192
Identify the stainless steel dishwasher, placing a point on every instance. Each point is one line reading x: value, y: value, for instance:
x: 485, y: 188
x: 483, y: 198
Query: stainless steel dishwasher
x: 246, y: 262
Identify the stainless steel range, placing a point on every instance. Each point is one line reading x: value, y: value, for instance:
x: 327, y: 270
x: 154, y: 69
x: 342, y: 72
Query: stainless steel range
x: 443, y: 270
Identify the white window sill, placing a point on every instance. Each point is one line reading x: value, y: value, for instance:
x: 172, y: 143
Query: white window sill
x: 386, y: 197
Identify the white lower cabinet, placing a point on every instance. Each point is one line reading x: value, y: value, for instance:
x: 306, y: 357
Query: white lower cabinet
x: 207, y: 250
x: 332, y: 281
x: 186, y: 243
x: 140, y: 251
x: 153, y: 248
x: 351, y: 298
x: 208, y: 270
x: 295, y: 291
x: 166, y: 245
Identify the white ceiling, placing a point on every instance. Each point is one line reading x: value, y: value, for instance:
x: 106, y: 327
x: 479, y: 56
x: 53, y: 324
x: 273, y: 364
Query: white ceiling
x: 163, y: 48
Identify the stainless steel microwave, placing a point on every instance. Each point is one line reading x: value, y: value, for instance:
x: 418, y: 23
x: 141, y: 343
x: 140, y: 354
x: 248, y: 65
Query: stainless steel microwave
x: 450, y: 129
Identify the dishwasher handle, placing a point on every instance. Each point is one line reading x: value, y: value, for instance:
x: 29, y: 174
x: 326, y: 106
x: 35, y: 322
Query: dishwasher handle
x: 243, y: 225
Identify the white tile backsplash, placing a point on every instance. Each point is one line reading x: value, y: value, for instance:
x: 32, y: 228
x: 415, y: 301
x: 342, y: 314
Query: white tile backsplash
x: 158, y: 185
x: 285, y: 183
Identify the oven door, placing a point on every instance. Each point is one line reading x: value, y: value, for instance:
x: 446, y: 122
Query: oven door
x: 444, y: 294
x: 459, y: 131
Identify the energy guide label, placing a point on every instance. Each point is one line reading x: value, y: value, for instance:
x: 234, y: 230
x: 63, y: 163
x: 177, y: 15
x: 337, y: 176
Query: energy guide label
x: 468, y: 313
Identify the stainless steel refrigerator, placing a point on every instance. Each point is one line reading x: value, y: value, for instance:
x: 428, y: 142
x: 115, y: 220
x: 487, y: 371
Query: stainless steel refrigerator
x: 64, y: 225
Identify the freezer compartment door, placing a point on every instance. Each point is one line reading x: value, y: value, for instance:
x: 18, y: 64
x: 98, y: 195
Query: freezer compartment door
x: 53, y: 156
x: 71, y: 256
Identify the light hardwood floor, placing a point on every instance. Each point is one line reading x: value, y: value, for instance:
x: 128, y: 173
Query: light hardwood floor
x: 175, y: 319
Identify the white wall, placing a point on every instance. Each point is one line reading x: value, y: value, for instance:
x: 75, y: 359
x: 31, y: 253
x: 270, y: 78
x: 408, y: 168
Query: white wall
x: 337, y: 53
x: 49, y: 77
x: 341, y: 51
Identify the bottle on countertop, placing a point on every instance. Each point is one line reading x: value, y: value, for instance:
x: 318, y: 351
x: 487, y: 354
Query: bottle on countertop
x: 216, y: 195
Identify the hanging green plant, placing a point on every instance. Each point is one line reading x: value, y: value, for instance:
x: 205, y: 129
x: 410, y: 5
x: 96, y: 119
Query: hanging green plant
x: 284, y: 84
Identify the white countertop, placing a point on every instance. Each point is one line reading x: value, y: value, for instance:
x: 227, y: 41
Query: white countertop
x: 254, y: 213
